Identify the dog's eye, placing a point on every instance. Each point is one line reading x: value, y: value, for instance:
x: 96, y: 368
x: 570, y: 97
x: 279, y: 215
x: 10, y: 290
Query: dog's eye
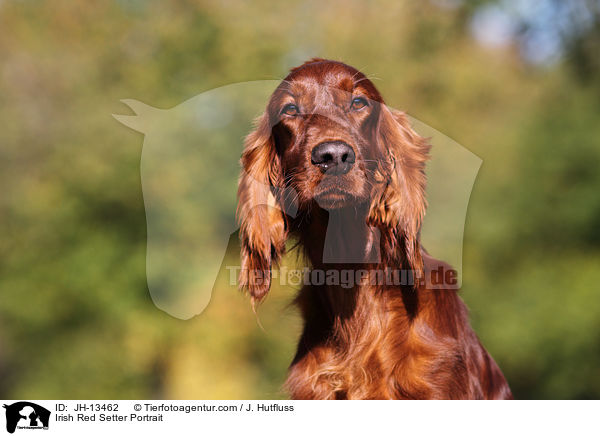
x: 359, y: 103
x: 290, y: 109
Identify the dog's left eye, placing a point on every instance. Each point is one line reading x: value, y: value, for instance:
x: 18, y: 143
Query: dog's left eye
x: 290, y: 109
x: 359, y: 103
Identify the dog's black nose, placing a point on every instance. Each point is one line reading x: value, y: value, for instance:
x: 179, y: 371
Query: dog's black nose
x: 333, y: 158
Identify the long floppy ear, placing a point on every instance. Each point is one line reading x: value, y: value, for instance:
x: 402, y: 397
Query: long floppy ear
x: 262, y: 224
x: 399, y: 206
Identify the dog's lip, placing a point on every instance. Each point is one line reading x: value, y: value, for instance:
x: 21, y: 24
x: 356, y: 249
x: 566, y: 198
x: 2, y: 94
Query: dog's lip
x: 333, y: 191
x: 333, y: 196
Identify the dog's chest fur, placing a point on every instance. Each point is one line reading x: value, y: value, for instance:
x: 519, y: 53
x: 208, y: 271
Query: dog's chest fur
x: 365, y: 344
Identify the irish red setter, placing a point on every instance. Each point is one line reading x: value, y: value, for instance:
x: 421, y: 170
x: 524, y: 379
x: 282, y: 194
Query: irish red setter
x: 330, y: 165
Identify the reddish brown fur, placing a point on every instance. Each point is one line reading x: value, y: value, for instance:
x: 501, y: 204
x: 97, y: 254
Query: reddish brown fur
x: 373, y: 341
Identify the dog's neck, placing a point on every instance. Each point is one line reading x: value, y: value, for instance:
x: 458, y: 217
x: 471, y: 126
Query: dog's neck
x: 342, y: 246
x: 339, y: 237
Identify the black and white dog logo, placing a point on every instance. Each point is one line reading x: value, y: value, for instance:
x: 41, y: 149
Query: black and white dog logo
x: 26, y: 415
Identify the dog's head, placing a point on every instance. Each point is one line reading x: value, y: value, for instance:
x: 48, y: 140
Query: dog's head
x: 328, y: 137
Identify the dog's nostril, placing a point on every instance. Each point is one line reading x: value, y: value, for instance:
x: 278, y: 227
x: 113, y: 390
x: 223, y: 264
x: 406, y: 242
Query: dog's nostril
x: 335, y: 157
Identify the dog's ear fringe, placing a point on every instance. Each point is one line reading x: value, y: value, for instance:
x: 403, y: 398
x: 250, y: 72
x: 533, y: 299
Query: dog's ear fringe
x: 262, y: 227
x: 399, y: 206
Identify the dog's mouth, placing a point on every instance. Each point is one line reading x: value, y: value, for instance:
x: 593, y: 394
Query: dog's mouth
x: 334, y: 197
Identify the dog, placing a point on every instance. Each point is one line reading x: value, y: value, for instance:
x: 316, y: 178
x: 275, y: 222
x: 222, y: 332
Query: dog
x: 353, y: 169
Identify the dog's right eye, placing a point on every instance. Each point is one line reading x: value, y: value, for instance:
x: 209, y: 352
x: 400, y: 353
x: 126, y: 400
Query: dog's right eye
x: 290, y: 109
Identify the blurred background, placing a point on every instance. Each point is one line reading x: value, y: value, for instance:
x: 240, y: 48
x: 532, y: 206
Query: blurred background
x: 515, y: 82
